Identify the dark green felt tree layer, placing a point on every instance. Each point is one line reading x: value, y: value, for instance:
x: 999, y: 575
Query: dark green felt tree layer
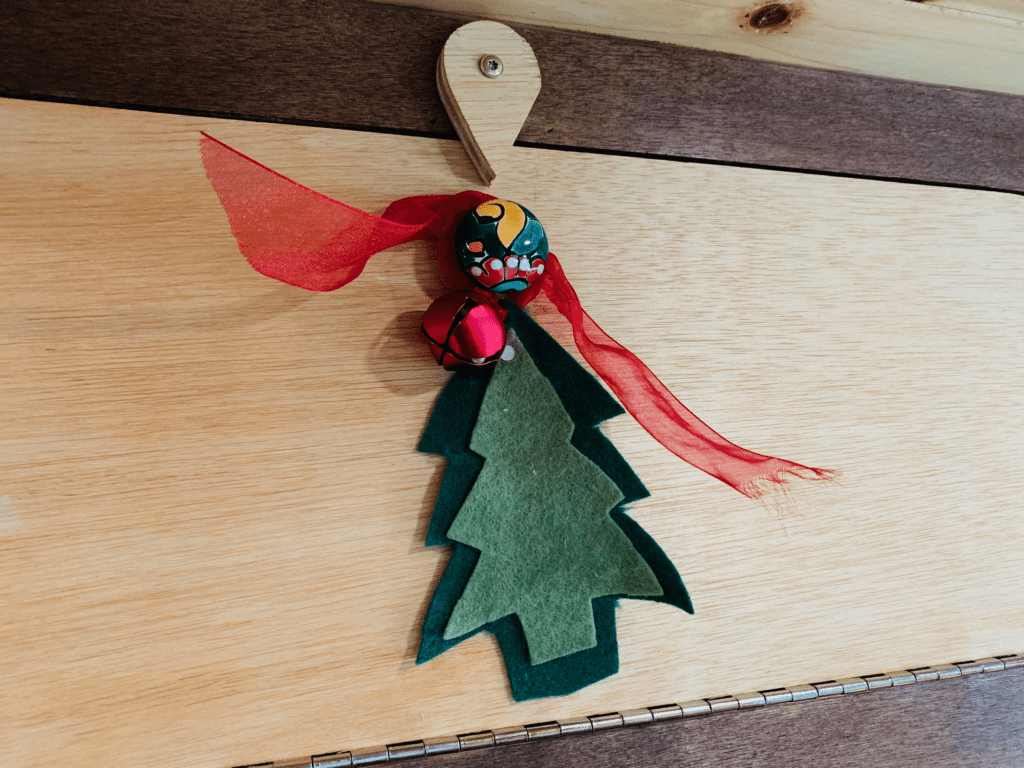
x: 449, y: 433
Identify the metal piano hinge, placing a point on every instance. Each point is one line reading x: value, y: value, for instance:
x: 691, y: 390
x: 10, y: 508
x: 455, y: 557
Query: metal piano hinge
x: 633, y: 718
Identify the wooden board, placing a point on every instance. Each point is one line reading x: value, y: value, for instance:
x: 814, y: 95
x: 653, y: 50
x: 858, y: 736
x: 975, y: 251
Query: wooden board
x: 336, y: 65
x: 970, y: 46
x: 213, y: 513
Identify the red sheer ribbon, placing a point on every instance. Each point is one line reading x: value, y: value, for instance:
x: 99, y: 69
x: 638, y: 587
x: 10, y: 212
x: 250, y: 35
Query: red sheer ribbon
x: 298, y: 236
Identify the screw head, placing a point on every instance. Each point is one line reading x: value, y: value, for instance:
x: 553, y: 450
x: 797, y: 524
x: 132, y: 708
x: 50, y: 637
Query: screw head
x: 491, y: 66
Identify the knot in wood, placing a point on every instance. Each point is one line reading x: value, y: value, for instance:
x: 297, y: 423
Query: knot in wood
x: 770, y: 16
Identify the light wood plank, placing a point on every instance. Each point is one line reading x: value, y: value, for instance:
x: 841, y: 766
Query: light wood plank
x: 212, y: 511
x: 932, y: 43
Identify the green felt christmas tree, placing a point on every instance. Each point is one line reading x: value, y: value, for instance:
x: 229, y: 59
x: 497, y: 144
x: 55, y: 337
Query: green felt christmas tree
x: 539, y: 515
x: 532, y: 504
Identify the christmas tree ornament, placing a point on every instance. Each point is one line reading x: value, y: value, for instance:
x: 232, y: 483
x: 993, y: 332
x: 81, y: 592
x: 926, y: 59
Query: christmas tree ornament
x: 533, y: 499
x: 464, y: 328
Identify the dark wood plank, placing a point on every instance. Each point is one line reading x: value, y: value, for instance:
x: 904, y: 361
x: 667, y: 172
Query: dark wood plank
x: 341, y: 63
x: 969, y: 722
x: 683, y: 102
x: 361, y: 65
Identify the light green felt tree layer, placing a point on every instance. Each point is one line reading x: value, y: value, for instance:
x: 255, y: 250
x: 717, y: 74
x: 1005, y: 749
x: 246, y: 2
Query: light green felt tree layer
x: 539, y: 515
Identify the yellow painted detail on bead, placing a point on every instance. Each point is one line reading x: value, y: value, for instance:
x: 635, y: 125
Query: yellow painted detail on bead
x: 511, y: 219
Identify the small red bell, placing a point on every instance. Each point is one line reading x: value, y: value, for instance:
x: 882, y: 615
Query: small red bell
x: 464, y: 328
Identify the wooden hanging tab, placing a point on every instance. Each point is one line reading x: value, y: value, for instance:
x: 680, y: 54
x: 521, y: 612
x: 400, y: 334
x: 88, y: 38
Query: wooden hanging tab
x: 488, y: 79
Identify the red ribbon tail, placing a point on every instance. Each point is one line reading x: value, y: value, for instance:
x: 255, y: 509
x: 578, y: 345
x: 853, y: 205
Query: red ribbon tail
x: 659, y: 412
x: 297, y: 235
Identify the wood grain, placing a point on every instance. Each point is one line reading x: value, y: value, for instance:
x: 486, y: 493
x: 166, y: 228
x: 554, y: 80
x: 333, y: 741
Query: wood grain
x: 927, y: 42
x: 337, y: 65
x: 1006, y: 10
x: 970, y: 722
x: 213, y: 512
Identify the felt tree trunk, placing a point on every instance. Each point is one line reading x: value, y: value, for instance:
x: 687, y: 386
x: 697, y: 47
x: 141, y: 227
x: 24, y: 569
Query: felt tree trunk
x: 562, y: 532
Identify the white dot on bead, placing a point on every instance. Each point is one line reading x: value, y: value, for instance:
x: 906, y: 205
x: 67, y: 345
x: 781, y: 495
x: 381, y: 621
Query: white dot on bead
x: 508, y: 353
x: 475, y: 271
x: 494, y: 264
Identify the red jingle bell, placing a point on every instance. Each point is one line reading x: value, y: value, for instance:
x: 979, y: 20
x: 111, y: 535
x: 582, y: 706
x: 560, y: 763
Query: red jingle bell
x: 464, y: 328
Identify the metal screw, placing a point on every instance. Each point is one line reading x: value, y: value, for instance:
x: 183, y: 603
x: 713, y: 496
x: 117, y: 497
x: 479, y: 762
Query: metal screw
x: 491, y: 66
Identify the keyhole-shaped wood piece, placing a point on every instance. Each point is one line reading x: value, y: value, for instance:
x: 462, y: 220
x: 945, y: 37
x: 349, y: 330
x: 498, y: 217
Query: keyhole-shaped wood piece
x: 488, y: 111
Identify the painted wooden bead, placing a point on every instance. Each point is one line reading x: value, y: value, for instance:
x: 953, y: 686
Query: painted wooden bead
x: 501, y: 246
